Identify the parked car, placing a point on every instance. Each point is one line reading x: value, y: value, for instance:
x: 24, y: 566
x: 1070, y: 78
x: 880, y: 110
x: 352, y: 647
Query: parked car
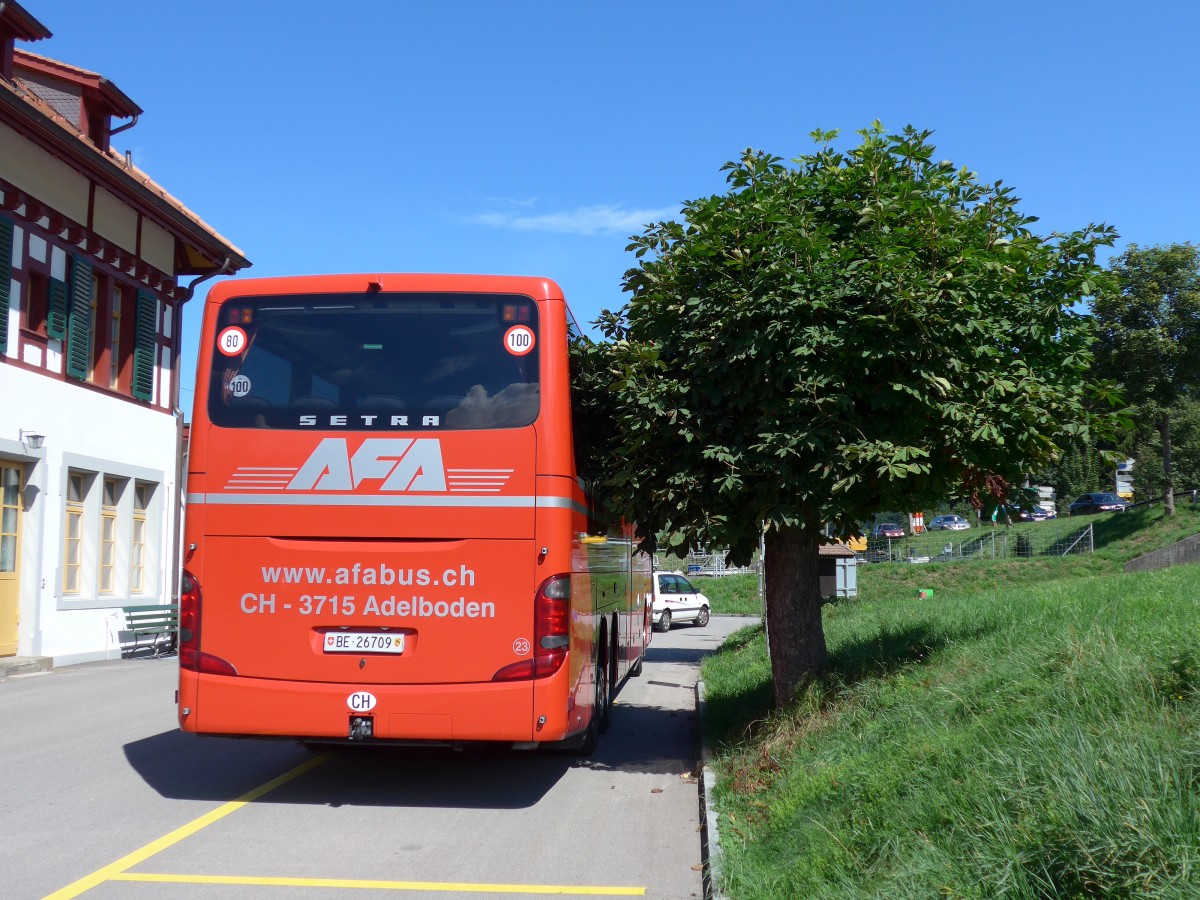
x: 949, y: 523
x: 888, y: 530
x: 1094, y: 503
x: 677, y: 600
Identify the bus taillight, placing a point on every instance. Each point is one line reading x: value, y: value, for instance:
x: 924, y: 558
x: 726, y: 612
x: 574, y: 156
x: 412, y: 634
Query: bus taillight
x: 552, y: 627
x: 190, y: 656
x: 189, y: 620
x: 551, y: 632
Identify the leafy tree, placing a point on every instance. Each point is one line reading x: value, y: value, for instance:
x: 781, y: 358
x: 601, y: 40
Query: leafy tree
x: 1148, y: 475
x: 865, y: 330
x: 1149, y: 318
x: 1081, y: 468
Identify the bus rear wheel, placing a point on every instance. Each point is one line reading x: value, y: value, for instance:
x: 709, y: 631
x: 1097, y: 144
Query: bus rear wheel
x: 604, y: 697
x: 601, y: 711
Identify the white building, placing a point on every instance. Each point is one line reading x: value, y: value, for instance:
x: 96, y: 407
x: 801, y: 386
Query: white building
x: 91, y: 256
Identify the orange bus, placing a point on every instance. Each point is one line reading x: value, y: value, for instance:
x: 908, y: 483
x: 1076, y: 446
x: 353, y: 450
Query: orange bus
x: 386, y: 538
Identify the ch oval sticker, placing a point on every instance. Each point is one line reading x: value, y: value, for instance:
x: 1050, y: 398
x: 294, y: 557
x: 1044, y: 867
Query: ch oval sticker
x: 361, y: 701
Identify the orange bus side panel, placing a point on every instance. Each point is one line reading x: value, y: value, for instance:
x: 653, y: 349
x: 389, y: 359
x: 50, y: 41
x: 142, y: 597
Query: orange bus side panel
x: 255, y: 706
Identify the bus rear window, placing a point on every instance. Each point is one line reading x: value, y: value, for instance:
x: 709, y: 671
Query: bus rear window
x: 375, y: 362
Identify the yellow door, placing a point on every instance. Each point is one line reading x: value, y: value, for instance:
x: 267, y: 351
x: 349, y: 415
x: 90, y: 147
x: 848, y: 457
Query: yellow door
x: 10, y: 544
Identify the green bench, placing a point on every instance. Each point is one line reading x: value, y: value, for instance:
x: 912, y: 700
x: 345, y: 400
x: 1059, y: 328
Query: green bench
x: 158, y: 622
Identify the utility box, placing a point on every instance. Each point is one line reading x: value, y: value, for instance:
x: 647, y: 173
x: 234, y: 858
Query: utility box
x: 838, y: 568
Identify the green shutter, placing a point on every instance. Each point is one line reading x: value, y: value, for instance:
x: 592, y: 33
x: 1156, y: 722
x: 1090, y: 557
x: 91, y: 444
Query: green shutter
x: 6, y: 251
x: 145, y: 345
x: 79, y: 319
x: 56, y: 315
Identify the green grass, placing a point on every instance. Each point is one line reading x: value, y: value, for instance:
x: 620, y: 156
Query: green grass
x: 1046, y: 539
x: 1033, y: 731
x: 733, y: 595
x: 1118, y: 538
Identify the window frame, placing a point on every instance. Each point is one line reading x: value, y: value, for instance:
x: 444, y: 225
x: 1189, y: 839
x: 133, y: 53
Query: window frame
x: 10, y: 539
x: 75, y: 511
x: 89, y: 488
x: 142, y: 492
x: 109, y: 537
x: 95, y: 345
x: 35, y: 301
x: 116, y: 296
x: 8, y: 235
x: 79, y: 326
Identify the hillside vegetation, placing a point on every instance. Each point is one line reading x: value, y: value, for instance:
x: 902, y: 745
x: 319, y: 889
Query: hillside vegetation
x: 1033, y: 730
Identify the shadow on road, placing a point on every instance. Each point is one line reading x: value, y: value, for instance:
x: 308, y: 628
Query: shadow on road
x: 654, y: 731
x: 189, y: 767
x: 685, y: 655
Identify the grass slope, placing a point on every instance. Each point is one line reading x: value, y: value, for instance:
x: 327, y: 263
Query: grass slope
x: 1031, y: 731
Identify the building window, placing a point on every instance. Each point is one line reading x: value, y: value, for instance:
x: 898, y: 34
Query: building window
x: 57, y: 309
x: 10, y: 511
x: 114, y: 339
x: 145, y: 344
x: 73, y: 555
x: 37, y: 302
x: 99, y: 346
x: 79, y: 320
x: 7, y: 235
x: 108, y: 535
x: 137, y: 550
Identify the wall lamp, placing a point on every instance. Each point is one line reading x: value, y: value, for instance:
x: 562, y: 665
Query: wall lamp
x: 31, y: 439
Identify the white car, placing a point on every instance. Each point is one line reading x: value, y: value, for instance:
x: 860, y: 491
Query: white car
x: 677, y: 600
x: 949, y: 523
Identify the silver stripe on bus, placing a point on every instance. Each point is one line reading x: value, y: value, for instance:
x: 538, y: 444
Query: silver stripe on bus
x: 522, y: 502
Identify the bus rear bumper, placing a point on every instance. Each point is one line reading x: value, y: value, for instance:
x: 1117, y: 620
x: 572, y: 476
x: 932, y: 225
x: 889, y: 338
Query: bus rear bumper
x: 453, y: 713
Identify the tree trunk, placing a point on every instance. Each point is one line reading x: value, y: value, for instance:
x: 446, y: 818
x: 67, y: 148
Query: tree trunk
x: 1164, y: 428
x: 793, y: 594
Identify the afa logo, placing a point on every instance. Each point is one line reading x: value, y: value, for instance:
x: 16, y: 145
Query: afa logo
x: 400, y: 464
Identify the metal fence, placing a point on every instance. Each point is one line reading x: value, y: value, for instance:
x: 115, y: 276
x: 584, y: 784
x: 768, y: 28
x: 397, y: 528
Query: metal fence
x: 996, y: 543
x: 932, y: 547
x: 706, y: 562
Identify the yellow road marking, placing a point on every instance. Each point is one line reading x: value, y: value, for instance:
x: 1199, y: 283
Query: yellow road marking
x: 385, y: 885
x: 117, y: 871
x: 112, y: 870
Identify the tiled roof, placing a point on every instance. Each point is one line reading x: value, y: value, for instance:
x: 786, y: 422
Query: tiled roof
x: 19, y: 54
x: 834, y: 550
x: 121, y: 104
x: 41, y: 116
x: 24, y: 26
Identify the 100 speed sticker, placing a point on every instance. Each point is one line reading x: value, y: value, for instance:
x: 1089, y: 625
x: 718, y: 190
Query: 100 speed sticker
x: 519, y: 340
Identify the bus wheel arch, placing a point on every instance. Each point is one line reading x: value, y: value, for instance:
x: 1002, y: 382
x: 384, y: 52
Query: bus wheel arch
x: 605, y: 664
x: 614, y: 654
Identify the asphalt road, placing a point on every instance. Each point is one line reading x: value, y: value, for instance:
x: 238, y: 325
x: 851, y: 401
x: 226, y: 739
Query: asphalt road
x: 101, y: 796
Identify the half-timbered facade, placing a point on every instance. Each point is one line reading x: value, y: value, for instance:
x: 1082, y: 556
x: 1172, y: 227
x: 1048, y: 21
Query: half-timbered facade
x: 96, y: 261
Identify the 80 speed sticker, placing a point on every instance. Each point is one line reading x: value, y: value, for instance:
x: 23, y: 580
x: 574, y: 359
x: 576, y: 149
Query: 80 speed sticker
x: 231, y: 341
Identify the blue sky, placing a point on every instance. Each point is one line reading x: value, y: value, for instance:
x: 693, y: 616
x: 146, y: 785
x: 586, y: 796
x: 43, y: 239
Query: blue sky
x: 534, y: 138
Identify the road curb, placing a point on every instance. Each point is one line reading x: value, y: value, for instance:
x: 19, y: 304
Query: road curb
x: 13, y: 666
x: 710, y: 838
